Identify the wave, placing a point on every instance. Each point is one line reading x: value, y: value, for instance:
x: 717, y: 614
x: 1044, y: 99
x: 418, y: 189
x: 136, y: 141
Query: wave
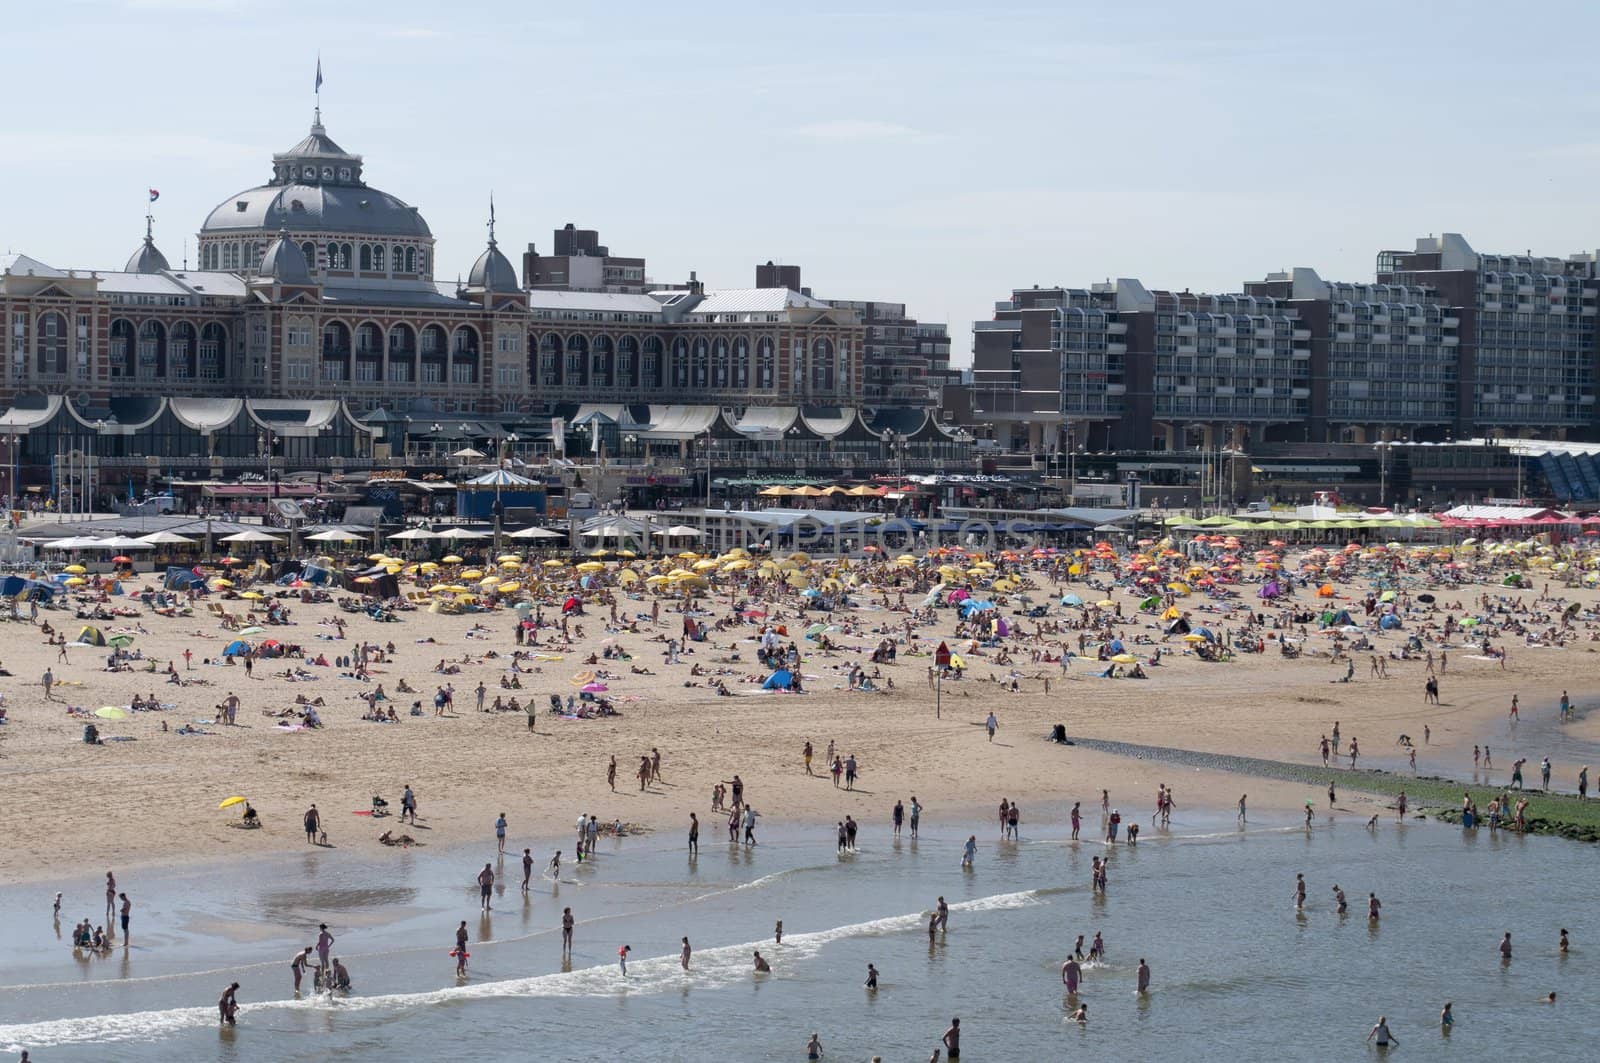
x: 721, y: 965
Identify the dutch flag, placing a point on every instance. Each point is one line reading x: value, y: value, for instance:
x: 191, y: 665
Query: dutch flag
x: 154, y: 195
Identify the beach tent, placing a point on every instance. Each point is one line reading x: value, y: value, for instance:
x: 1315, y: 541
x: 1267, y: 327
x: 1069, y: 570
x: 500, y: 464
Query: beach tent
x: 1389, y: 622
x: 1179, y: 626
x: 1270, y: 590
x: 782, y: 679
x: 88, y: 635
x: 1071, y: 599
x: 181, y: 579
x: 237, y: 648
x: 1205, y: 633
x: 1152, y: 602
x: 1340, y: 619
x: 26, y: 589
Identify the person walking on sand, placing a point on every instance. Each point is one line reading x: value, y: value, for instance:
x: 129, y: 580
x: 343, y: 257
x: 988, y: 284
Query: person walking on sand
x: 611, y: 772
x: 408, y: 805
x: 991, y: 725
x: 806, y: 754
x: 48, y: 681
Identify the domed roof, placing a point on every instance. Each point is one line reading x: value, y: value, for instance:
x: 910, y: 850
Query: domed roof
x: 284, y: 262
x: 148, y: 258
x: 493, y: 272
x: 316, y: 186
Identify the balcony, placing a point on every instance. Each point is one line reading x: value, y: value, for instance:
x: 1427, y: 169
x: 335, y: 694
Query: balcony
x: 1116, y: 348
x: 1301, y: 334
x: 1116, y: 328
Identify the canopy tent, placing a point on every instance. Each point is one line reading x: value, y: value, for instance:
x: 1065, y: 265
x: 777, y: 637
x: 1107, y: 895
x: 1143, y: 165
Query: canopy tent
x: 166, y: 538
x: 124, y: 542
x: 335, y: 535
x: 412, y: 534
x: 251, y: 535
x: 680, y: 531
x: 456, y: 534
x: 537, y: 533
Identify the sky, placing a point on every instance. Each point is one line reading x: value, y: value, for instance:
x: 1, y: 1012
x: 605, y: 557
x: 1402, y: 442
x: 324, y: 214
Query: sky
x: 935, y: 154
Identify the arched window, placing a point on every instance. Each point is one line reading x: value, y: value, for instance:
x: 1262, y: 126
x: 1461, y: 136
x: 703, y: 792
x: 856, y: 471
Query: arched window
x: 366, y: 256
x: 378, y: 257
x: 766, y: 364
x: 741, y: 363
x: 680, y: 363
x: 628, y: 361
x: 821, y: 365
x: 309, y: 250
x: 700, y: 376
x: 719, y: 364
x: 577, y: 360
x: 333, y: 256
x: 549, y: 372
x: 650, y: 367
x: 345, y: 257
x: 411, y: 260
x: 600, y: 363
x: 213, y: 352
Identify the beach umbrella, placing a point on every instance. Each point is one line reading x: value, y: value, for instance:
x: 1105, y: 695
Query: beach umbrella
x: 1125, y: 658
x: 224, y: 583
x: 253, y: 629
x: 553, y: 563
x: 76, y: 581
x: 510, y: 588
x: 230, y: 560
x: 166, y: 537
x: 594, y: 688
x: 1194, y: 638
x: 122, y: 559
x: 254, y: 596
x: 111, y: 712
x: 503, y: 558
x: 76, y: 570
x: 412, y: 534
x: 451, y: 559
x: 591, y: 566
x: 474, y: 573
x: 1105, y: 603
x: 229, y: 802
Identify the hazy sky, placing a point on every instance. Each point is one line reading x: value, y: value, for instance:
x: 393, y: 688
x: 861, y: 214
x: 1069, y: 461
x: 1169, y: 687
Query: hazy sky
x: 935, y: 154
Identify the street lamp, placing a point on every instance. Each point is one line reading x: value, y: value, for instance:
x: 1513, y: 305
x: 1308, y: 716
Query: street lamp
x: 12, y: 440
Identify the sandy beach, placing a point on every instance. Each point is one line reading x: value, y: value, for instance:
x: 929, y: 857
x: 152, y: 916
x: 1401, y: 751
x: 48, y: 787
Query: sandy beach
x: 76, y: 808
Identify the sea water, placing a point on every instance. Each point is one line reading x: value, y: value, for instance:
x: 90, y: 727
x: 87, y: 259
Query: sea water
x: 1237, y: 972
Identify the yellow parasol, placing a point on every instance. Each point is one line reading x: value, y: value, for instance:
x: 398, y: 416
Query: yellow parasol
x: 229, y: 802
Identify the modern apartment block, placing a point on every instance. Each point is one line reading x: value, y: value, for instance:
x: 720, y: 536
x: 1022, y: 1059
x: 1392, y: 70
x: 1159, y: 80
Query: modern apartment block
x: 1446, y: 343
x: 581, y: 263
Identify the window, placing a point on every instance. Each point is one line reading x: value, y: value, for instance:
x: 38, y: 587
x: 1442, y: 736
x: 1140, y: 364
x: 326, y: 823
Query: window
x: 508, y: 375
x: 297, y: 370
x: 378, y: 257
x: 507, y: 343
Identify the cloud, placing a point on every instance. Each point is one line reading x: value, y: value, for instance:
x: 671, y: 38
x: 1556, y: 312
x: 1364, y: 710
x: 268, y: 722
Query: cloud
x: 858, y: 130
